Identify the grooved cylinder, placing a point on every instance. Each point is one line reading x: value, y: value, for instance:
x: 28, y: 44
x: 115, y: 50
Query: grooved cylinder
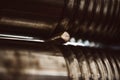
x: 43, y: 62
x: 90, y: 19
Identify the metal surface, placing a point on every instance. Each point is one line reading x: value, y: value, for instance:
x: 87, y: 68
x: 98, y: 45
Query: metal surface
x: 27, y: 62
x: 32, y: 33
x: 43, y: 61
x: 87, y: 19
x: 37, y: 17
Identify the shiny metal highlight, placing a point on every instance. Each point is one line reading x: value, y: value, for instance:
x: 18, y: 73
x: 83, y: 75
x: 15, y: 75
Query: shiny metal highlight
x: 87, y: 19
x: 31, y: 61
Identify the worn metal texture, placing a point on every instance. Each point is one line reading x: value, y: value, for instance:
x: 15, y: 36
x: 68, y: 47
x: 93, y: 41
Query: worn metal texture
x: 43, y: 61
x: 88, y: 19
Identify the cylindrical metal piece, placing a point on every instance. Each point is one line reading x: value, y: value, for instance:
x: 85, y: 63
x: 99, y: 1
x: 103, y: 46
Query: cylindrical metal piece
x: 30, y: 17
x: 44, y: 61
x: 89, y: 19
x: 27, y: 62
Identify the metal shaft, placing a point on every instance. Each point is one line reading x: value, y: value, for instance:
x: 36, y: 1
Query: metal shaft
x: 30, y: 61
x: 88, y: 19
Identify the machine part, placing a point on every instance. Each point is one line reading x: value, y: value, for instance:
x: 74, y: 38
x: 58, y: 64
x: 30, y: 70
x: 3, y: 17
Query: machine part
x: 87, y: 19
x: 72, y: 63
x: 28, y: 17
x: 27, y: 62
x: 60, y: 39
x: 43, y: 61
x: 26, y: 27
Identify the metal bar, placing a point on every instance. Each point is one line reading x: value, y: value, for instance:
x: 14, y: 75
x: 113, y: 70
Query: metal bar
x: 33, y: 61
x: 93, y: 20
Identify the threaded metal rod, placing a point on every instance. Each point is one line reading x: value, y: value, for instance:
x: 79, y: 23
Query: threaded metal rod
x: 89, y: 19
x: 45, y: 61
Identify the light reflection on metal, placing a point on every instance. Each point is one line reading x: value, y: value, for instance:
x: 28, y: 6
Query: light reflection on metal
x: 24, y: 23
x: 80, y: 42
x: 57, y: 62
x: 19, y: 38
x: 88, y: 19
x: 72, y: 41
x: 35, y: 64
